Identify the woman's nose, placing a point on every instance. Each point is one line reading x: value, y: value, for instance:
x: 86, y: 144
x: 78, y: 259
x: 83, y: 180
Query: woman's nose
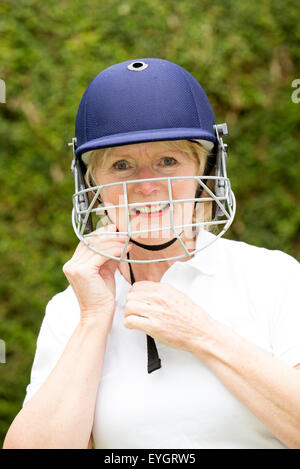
x: 146, y: 187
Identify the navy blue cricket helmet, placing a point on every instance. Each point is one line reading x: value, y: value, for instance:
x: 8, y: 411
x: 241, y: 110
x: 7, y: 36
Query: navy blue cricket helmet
x: 141, y: 101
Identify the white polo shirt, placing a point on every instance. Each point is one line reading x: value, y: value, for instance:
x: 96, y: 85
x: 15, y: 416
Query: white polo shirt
x: 253, y: 290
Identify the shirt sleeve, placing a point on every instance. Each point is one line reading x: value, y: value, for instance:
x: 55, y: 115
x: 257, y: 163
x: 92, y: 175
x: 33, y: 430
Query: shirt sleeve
x: 285, y: 323
x: 60, y: 320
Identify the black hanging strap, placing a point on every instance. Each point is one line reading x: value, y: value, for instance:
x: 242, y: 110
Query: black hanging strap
x: 154, y: 362
x: 154, y: 247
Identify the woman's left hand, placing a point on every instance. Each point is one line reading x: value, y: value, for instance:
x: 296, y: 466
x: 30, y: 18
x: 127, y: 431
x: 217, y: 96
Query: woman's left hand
x: 166, y: 314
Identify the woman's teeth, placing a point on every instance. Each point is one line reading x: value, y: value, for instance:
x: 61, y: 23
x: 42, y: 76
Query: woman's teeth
x: 151, y: 209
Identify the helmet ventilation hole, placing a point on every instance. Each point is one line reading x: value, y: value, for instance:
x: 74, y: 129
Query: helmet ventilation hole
x: 137, y: 66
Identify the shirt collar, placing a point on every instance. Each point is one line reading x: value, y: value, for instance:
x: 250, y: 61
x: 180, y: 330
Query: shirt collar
x: 206, y: 259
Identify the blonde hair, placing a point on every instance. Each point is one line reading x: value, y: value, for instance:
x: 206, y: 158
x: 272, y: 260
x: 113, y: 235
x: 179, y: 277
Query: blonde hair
x: 196, y: 151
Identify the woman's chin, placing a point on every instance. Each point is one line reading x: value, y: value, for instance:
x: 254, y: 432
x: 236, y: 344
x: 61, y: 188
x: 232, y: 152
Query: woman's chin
x: 154, y: 238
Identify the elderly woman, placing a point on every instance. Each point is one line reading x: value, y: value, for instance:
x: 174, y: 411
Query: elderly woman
x: 221, y: 317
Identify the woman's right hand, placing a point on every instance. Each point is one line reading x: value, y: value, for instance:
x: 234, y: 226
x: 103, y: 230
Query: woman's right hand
x: 91, y: 275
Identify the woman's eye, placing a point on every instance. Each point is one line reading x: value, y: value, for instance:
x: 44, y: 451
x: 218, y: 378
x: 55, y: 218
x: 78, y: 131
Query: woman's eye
x: 169, y: 161
x: 122, y: 164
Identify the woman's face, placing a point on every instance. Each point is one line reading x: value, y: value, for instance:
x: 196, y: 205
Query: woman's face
x: 143, y: 161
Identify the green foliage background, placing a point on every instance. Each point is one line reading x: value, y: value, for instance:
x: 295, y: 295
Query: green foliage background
x: 244, y: 53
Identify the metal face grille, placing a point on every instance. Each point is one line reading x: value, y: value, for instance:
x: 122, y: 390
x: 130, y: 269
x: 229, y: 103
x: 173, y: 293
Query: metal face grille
x: 86, y: 205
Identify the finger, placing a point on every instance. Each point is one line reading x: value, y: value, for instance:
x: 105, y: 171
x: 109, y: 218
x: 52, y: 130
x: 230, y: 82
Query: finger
x: 93, y: 254
x: 98, y: 240
x: 137, y: 308
x: 147, y: 295
x: 92, y: 257
x: 88, y: 249
x: 93, y: 260
x: 137, y: 322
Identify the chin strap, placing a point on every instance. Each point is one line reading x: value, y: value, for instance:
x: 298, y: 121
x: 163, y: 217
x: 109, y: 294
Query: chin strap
x: 156, y: 247
x: 154, y: 362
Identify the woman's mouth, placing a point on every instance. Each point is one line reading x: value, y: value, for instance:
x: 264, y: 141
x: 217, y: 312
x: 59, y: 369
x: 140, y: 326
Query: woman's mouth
x: 151, y: 210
